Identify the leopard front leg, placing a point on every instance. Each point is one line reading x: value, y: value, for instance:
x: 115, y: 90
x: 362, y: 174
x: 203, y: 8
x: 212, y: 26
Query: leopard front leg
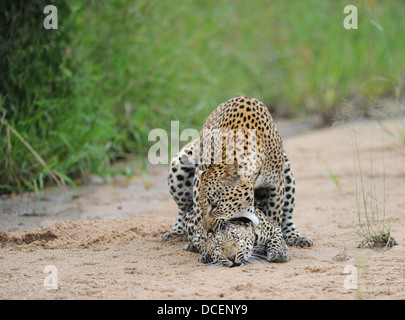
x: 275, y: 249
x: 196, y: 235
x: 271, y: 201
x: 269, y: 236
x: 290, y: 231
x: 205, y: 256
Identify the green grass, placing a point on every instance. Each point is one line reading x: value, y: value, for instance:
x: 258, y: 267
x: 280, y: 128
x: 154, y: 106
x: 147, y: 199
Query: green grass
x: 332, y: 174
x: 374, y: 228
x: 121, y: 68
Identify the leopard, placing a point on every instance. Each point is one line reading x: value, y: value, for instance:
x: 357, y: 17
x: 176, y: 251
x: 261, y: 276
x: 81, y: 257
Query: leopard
x: 231, y: 246
x: 236, y: 242
x: 236, y: 165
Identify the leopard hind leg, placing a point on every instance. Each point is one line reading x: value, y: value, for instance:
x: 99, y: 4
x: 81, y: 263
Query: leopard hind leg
x: 180, y: 180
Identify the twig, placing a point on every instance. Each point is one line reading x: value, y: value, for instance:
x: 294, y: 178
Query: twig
x: 59, y: 182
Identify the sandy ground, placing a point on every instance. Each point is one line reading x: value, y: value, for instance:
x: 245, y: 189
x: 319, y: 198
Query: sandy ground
x: 104, y: 241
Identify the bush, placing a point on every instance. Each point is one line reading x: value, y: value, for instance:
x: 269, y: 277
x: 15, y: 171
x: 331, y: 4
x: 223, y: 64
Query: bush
x: 74, y: 100
x: 35, y: 87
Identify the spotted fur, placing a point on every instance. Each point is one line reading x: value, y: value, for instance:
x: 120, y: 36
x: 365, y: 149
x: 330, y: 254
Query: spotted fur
x: 236, y: 242
x: 249, y: 172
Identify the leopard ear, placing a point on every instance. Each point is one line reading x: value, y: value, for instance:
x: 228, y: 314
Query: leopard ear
x: 231, y: 173
x: 201, y: 173
x: 232, y: 169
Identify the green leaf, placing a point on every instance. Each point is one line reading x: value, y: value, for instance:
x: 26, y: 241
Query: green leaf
x: 36, y: 189
x: 49, y: 167
x: 67, y: 179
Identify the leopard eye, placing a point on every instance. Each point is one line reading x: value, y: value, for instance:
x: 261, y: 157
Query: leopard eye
x: 248, y: 224
x: 212, y: 203
x: 201, y: 173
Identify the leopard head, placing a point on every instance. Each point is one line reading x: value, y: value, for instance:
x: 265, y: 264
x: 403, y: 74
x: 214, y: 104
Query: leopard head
x: 224, y: 195
x: 231, y: 245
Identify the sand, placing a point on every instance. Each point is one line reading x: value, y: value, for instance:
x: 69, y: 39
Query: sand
x: 104, y: 241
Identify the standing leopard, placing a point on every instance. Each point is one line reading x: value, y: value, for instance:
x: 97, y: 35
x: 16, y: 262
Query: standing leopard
x: 217, y: 187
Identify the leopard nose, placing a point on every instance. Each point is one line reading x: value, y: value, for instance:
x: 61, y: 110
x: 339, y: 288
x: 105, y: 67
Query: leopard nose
x: 234, y: 263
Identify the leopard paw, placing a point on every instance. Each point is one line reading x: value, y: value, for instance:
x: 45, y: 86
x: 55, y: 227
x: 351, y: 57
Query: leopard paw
x: 189, y: 247
x: 278, y: 255
x: 172, y: 234
x: 300, y: 242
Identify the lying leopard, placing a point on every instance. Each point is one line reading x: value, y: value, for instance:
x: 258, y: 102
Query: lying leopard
x: 237, y: 241
x: 216, y: 187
